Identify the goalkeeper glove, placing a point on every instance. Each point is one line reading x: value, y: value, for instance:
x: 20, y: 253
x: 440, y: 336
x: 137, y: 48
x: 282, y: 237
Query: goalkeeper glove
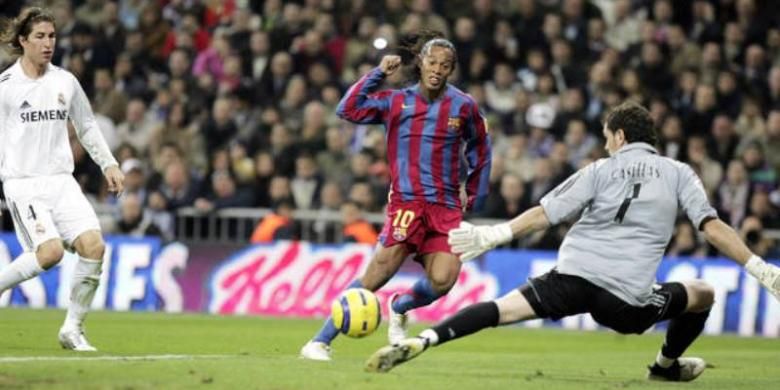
x: 767, y: 274
x: 471, y: 241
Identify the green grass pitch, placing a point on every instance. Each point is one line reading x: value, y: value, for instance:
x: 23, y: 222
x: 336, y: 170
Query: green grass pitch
x: 262, y: 353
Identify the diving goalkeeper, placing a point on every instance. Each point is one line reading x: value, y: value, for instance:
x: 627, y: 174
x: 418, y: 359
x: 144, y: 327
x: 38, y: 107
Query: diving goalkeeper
x: 626, y: 207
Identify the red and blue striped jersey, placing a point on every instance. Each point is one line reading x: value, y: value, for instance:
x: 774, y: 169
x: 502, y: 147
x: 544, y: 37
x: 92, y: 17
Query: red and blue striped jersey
x: 425, y: 140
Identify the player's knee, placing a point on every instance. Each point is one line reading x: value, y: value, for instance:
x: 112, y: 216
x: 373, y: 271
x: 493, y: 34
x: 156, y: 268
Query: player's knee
x: 701, y: 295
x: 443, y: 282
x: 91, y: 246
x: 94, y: 251
x: 50, y: 253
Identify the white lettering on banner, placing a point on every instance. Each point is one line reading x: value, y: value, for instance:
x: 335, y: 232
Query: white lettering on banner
x: 290, y: 279
x: 771, y: 327
x: 128, y: 286
x: 748, y: 308
x: 172, y: 258
x: 682, y: 272
x: 723, y: 280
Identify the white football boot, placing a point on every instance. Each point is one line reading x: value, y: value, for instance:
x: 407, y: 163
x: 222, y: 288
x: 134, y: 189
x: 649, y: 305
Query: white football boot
x: 74, y: 339
x: 390, y: 356
x: 316, y: 350
x: 685, y: 369
x: 398, y: 323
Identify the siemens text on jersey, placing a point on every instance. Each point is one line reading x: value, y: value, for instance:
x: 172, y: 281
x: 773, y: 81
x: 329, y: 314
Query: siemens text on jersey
x: 44, y: 115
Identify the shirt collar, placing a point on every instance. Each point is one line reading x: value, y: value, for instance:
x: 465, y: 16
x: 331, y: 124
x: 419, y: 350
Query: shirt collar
x: 638, y: 146
x: 17, y: 69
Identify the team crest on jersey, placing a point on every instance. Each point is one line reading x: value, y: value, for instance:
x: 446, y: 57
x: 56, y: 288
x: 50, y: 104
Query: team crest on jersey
x: 61, y: 99
x: 454, y: 123
x: 39, y: 228
x: 399, y: 233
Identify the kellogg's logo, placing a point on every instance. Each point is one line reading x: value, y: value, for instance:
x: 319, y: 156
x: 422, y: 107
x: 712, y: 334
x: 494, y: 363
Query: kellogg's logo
x: 300, y: 280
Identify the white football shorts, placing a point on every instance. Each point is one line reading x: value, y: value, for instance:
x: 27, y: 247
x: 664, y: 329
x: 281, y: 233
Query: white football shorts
x: 48, y: 207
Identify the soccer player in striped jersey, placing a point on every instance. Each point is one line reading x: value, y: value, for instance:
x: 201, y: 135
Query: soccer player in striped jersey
x: 625, y: 207
x: 429, y: 125
x: 36, y: 164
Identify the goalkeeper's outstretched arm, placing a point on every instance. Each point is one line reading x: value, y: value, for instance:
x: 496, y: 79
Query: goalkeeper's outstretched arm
x: 471, y: 241
x: 728, y: 242
x: 532, y: 220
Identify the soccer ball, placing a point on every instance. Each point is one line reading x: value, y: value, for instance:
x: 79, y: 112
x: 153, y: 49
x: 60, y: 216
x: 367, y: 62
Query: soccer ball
x: 356, y: 312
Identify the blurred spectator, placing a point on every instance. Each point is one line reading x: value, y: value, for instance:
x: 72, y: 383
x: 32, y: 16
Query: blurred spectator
x: 516, y: 159
x: 277, y: 225
x: 134, y: 221
x: 543, y: 181
x: 733, y: 194
x: 579, y: 142
x: 356, y: 229
x: 220, y: 128
x: 223, y: 192
x: 510, y: 201
x: 723, y: 141
x: 135, y: 178
x: 672, y: 140
x: 760, y: 173
x: 333, y: 161
x: 624, y: 28
x: 751, y: 231
x: 540, y: 118
x: 264, y: 171
x: 137, y: 127
x: 762, y: 208
x: 179, y: 188
x: 109, y: 101
x: 710, y: 172
x: 279, y: 189
x: 331, y: 198
x: 306, y: 183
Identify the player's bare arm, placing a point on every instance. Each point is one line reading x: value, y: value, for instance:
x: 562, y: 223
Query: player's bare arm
x: 727, y: 241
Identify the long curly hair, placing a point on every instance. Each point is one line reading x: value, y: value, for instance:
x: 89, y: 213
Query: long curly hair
x: 412, y: 45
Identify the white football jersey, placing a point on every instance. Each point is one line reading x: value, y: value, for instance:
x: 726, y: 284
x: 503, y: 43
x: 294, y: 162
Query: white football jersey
x: 33, y: 124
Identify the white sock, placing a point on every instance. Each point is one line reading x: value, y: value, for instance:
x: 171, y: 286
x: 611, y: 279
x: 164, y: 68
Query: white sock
x: 431, y: 336
x: 86, y: 278
x: 663, y: 361
x: 22, y: 268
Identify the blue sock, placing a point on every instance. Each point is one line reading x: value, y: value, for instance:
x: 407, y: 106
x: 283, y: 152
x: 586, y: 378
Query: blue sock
x: 421, y: 294
x: 329, y: 331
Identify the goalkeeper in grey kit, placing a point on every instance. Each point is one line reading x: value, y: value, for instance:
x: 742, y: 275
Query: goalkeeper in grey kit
x: 626, y: 207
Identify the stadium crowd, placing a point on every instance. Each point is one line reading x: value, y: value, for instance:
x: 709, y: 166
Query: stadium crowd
x: 216, y: 104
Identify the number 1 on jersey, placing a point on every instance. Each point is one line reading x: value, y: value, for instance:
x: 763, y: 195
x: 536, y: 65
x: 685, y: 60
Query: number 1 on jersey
x: 626, y: 203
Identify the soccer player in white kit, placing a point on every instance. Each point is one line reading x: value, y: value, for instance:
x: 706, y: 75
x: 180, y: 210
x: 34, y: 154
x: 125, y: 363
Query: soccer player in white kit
x: 36, y: 166
x: 625, y: 207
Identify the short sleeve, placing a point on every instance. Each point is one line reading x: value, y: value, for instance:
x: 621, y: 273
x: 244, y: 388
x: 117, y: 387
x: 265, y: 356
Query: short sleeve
x: 693, y: 198
x: 571, y: 196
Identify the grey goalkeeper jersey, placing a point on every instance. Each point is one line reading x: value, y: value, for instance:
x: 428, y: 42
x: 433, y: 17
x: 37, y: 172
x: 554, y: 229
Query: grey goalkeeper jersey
x: 627, y: 205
